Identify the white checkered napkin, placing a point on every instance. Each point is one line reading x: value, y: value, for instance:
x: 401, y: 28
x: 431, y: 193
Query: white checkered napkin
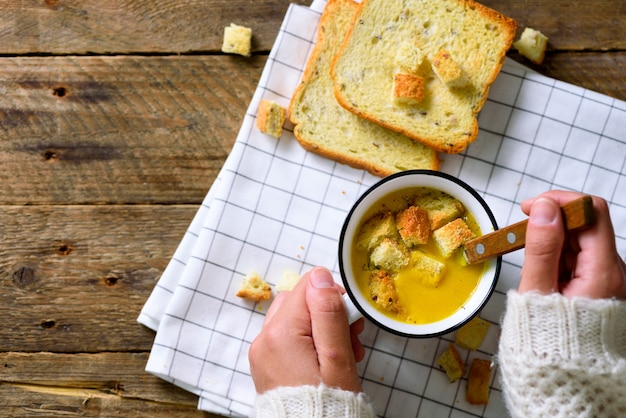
x: 276, y: 207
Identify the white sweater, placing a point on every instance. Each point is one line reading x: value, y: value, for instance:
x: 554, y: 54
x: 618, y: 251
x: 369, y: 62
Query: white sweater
x: 558, y: 357
x: 563, y: 357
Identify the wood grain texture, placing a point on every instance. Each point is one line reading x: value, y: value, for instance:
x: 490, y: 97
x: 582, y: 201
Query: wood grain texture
x: 133, y: 27
x: 115, y: 118
x: 119, y: 129
x: 74, y: 278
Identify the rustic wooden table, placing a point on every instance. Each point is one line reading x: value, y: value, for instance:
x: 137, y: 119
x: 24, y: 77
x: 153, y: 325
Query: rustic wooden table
x: 115, y: 117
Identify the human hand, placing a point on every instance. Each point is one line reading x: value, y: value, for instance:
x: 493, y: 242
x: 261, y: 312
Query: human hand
x: 306, y: 339
x: 580, y: 263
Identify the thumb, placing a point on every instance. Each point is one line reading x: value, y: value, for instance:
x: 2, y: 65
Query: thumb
x: 331, y: 332
x: 544, y: 243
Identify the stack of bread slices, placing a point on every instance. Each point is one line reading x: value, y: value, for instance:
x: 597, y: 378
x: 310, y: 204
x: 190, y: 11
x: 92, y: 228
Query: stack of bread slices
x: 390, y: 84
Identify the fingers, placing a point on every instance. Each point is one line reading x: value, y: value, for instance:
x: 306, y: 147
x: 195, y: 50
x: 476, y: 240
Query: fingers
x: 544, y: 243
x: 357, y: 348
x: 592, y: 264
x: 331, y: 334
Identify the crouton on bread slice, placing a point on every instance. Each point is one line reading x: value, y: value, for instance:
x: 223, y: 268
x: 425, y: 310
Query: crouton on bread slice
x: 478, y: 382
x: 408, y: 88
x: 452, y: 235
x: 452, y: 363
x: 322, y: 126
x: 447, y: 70
x: 383, y: 291
x: 413, y: 225
x: 441, y: 207
x: 375, y: 229
x: 253, y: 287
x: 476, y: 37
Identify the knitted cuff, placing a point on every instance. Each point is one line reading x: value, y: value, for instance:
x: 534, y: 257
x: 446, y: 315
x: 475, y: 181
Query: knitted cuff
x: 555, y: 328
x: 311, y: 401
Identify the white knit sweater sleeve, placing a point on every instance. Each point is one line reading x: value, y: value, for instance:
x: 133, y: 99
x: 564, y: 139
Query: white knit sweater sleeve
x: 563, y: 357
x: 312, y: 402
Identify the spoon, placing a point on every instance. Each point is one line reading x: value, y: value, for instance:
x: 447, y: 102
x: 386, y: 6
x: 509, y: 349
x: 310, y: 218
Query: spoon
x: 577, y: 214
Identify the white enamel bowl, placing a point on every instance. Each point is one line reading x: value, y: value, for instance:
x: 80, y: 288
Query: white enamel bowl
x: 358, y: 303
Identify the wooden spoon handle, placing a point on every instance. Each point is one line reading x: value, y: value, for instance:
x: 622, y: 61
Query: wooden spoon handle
x: 577, y: 214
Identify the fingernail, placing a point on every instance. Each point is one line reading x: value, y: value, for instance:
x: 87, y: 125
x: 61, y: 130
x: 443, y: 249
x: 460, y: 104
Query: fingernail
x: 543, y: 212
x: 321, y: 278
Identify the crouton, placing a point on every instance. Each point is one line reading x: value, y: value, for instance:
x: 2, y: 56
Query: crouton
x: 383, y: 291
x: 237, y: 40
x: 472, y: 334
x: 390, y: 255
x: 407, y: 88
x: 409, y: 57
x: 287, y: 281
x: 452, y: 363
x: 441, y: 207
x: 413, y: 226
x: 478, y: 382
x: 429, y: 270
x: 532, y: 44
x: 447, y: 70
x: 254, y: 288
x: 452, y: 235
x: 376, y: 229
x: 270, y: 118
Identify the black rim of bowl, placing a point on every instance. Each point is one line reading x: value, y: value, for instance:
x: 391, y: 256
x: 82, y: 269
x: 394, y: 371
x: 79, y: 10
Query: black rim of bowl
x: 342, y: 269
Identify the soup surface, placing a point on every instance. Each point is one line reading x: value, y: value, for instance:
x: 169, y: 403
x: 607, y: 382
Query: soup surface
x: 408, y: 255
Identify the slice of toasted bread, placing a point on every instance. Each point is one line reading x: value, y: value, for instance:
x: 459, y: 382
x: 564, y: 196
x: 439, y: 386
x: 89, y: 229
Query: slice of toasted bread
x: 324, y: 127
x: 462, y: 46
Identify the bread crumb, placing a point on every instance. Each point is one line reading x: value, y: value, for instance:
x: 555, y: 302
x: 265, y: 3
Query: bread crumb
x: 472, y: 334
x: 407, y: 88
x: 447, y: 70
x: 254, y: 288
x: 413, y: 226
x: 452, y: 363
x: 478, y: 382
x: 452, y: 235
x: 237, y: 40
x: 270, y: 118
x: 532, y: 44
x: 288, y: 281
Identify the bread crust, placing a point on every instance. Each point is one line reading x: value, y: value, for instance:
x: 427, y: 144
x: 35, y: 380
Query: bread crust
x: 371, y: 147
x: 402, y: 119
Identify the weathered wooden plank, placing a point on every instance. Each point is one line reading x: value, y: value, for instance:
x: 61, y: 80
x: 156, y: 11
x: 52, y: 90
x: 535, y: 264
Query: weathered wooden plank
x: 178, y: 26
x: 119, y: 129
x: 601, y: 72
x: 594, y: 25
x: 111, y: 375
x: 138, y: 26
x: 74, y: 278
x: 25, y: 401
